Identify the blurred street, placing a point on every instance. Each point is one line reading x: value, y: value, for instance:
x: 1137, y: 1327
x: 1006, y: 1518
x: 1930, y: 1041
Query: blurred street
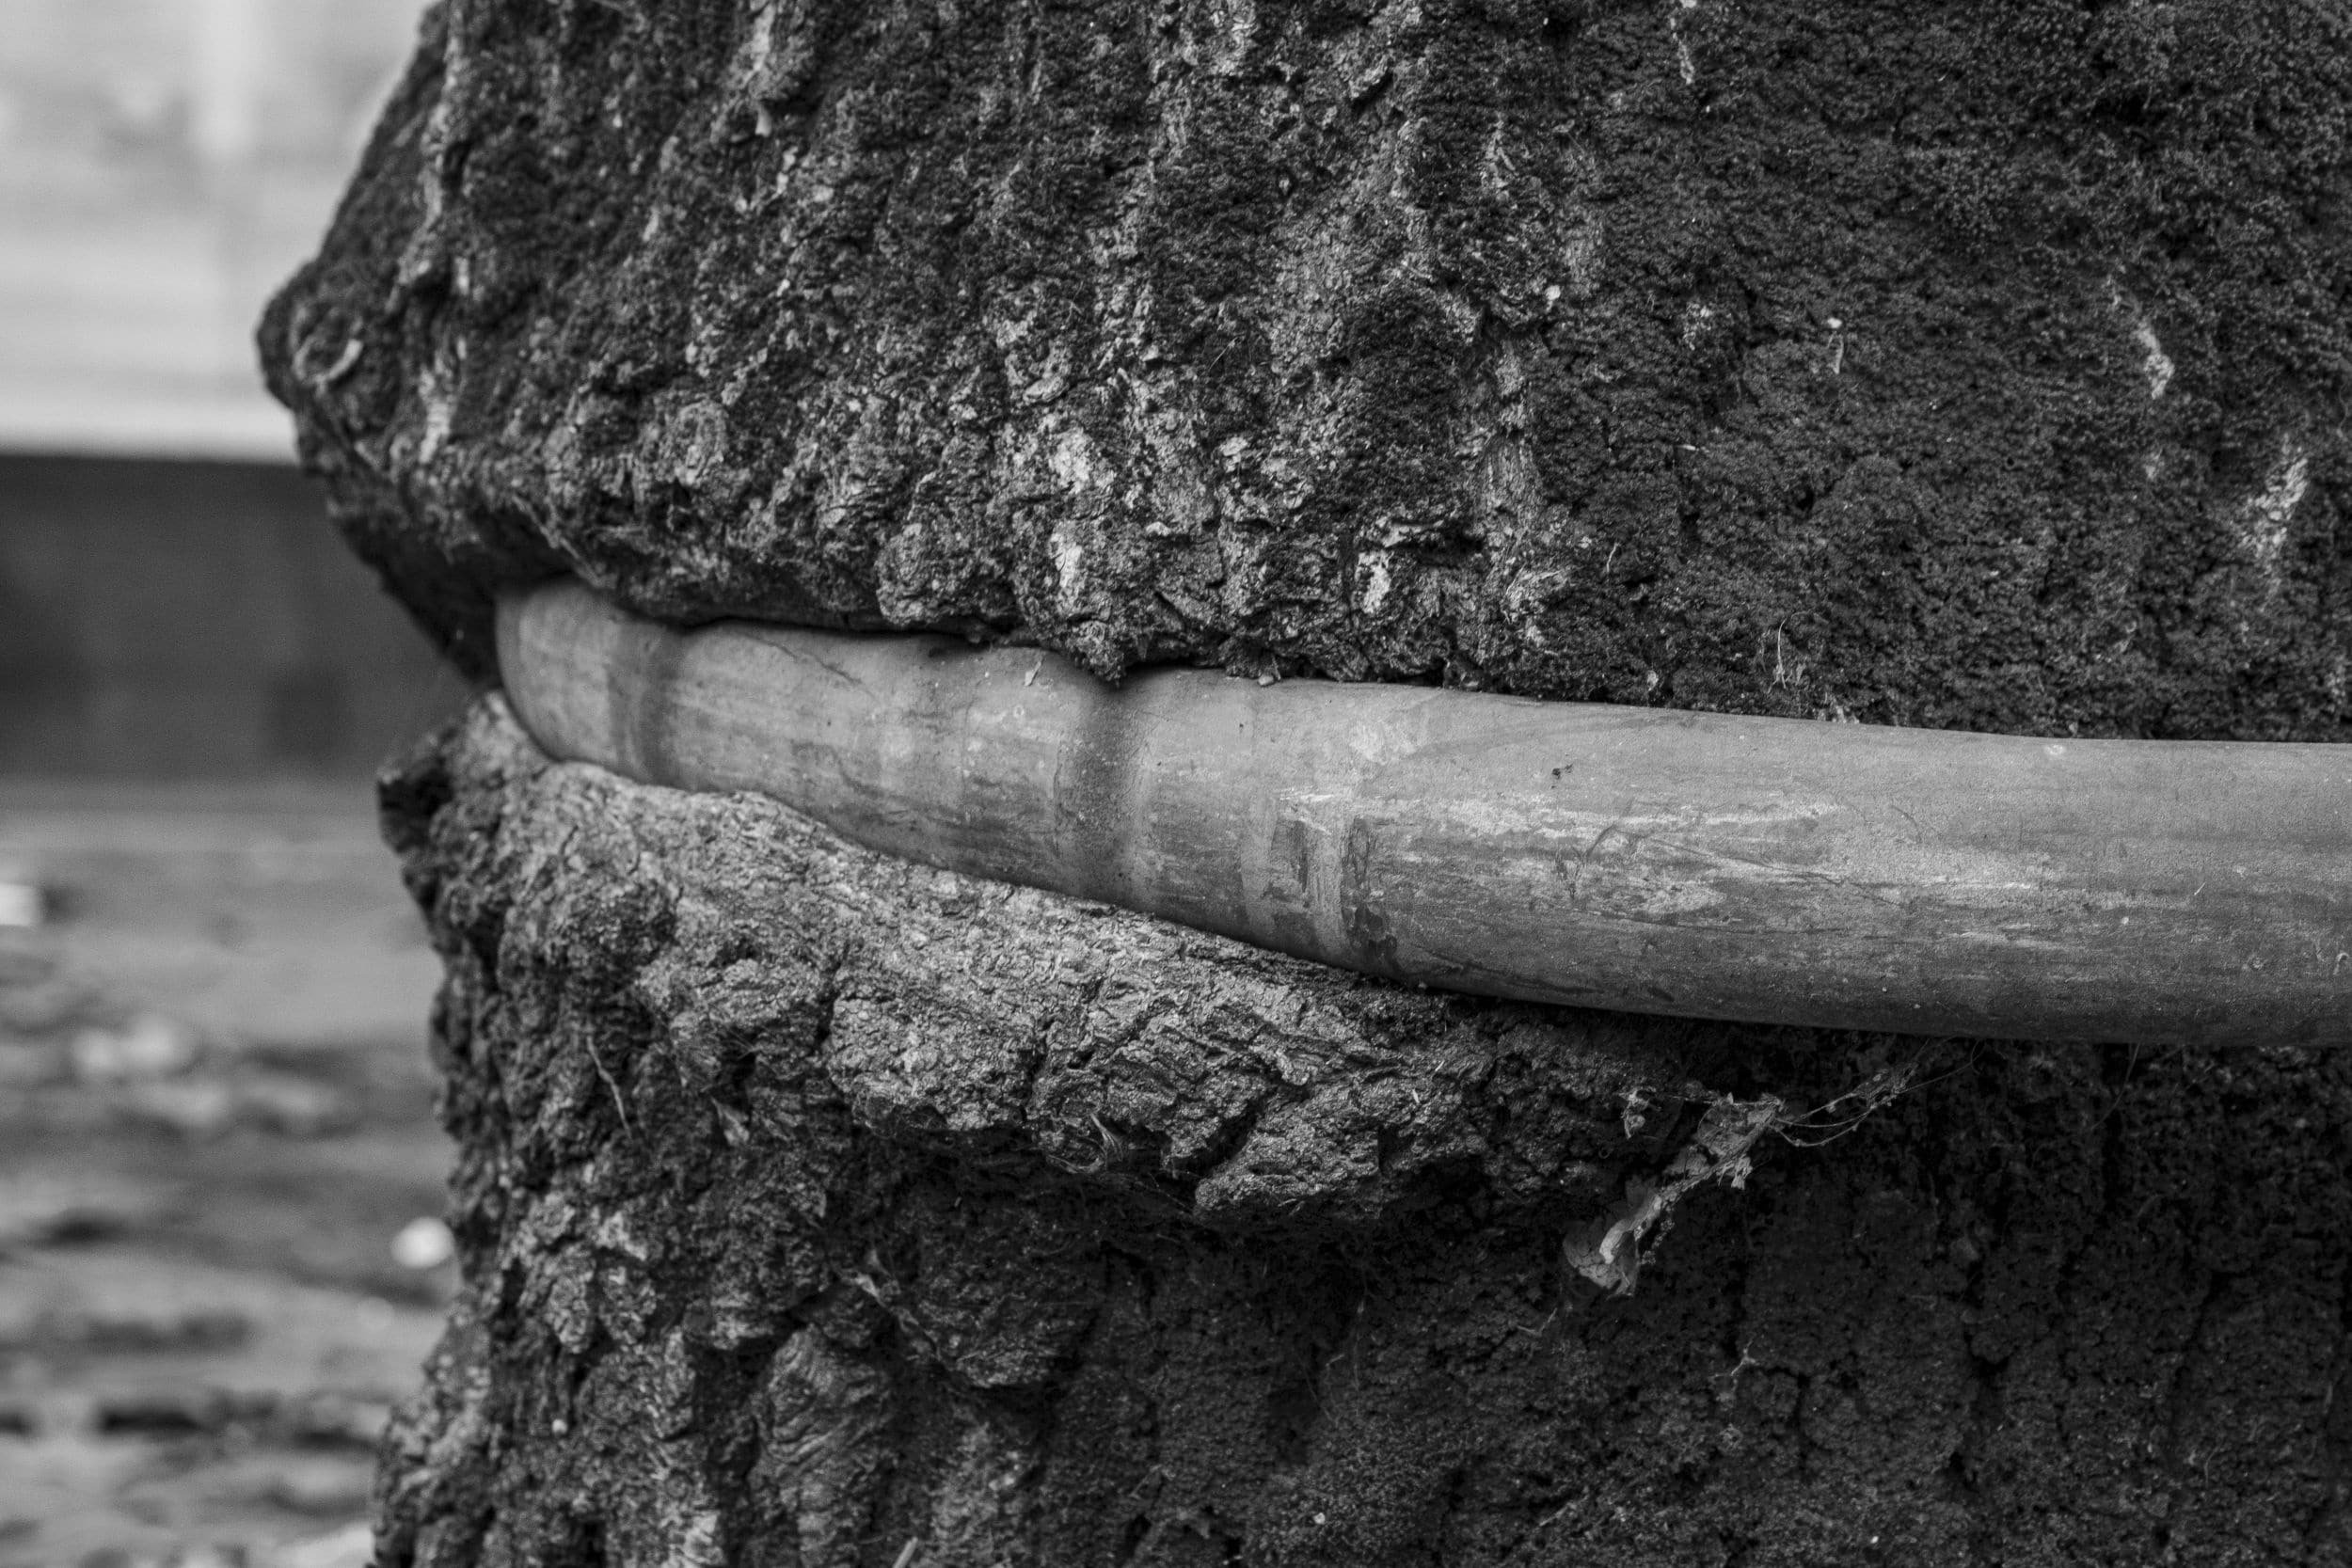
x: 220, y: 1256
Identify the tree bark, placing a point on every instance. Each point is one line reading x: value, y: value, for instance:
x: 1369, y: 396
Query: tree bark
x: 1974, y: 366
x: 814, y: 1204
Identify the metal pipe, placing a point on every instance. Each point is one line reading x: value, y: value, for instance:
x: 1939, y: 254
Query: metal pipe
x: 1765, y: 870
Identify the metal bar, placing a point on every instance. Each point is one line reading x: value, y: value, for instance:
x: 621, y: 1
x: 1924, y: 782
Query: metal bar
x: 1708, y: 865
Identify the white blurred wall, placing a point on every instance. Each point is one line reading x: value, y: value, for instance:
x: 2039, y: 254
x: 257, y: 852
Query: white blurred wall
x: 164, y: 165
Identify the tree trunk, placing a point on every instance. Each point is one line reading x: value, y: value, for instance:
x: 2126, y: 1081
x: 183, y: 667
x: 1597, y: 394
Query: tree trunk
x: 1974, y: 366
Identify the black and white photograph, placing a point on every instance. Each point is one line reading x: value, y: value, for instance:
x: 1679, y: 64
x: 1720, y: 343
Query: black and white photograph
x: 1175, y: 783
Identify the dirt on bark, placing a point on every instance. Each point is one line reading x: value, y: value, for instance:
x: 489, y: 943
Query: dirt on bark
x: 1981, y: 365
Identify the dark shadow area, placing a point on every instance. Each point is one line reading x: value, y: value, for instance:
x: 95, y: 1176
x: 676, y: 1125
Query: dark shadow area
x: 167, y: 619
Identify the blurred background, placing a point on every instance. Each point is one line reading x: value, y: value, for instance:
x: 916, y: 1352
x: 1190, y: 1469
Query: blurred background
x: 220, y: 1252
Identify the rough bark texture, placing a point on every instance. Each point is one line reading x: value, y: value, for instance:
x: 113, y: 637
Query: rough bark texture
x: 1975, y: 365
x: 814, y: 1204
x: 1983, y: 364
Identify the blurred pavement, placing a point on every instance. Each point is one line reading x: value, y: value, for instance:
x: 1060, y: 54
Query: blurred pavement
x: 214, y: 1126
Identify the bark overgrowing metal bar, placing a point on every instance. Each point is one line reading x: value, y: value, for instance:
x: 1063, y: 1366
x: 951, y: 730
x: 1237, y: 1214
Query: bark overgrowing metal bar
x: 1767, y: 870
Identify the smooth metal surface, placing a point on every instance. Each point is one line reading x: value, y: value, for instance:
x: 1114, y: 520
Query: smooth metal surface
x: 1766, y: 870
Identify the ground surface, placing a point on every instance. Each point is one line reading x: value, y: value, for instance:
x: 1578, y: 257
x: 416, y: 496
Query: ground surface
x: 215, y: 1119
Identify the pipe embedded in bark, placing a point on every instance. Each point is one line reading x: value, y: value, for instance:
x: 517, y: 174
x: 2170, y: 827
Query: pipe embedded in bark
x: 1708, y: 865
